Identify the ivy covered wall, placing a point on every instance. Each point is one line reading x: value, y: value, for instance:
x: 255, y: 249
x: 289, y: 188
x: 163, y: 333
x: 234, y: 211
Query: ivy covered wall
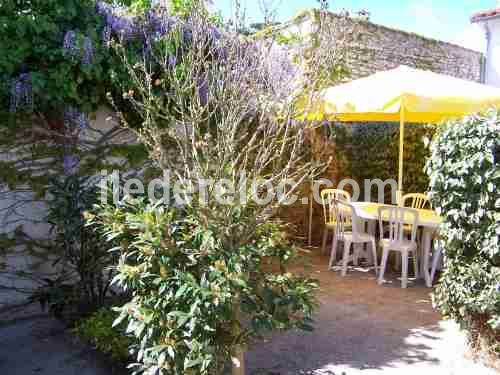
x: 363, y: 151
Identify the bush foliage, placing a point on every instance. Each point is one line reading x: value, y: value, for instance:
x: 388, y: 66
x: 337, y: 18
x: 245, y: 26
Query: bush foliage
x: 99, y: 331
x: 464, y: 178
x: 371, y: 151
x: 185, y: 283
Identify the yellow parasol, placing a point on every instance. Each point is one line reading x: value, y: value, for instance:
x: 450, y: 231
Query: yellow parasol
x: 403, y: 95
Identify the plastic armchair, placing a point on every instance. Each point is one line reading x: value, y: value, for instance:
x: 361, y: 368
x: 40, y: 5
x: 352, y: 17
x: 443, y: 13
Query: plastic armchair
x: 416, y: 200
x: 347, y: 230
x: 328, y: 197
x: 399, y: 220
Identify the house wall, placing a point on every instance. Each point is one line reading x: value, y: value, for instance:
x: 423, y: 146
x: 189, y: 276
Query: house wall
x: 492, y: 35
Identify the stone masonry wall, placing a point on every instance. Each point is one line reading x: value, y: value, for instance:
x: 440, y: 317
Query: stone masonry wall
x: 382, y: 48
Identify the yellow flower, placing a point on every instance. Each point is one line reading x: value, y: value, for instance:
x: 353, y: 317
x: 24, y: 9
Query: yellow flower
x: 163, y: 271
x: 220, y: 265
x: 87, y: 215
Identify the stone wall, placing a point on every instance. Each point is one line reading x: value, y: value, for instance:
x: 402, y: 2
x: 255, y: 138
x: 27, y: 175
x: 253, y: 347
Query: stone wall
x: 374, y: 48
x: 382, y: 48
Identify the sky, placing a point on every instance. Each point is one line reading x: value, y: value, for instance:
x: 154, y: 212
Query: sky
x: 447, y: 20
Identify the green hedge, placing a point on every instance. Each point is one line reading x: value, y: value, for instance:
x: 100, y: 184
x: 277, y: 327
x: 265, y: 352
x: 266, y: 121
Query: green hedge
x: 464, y: 177
x: 371, y: 151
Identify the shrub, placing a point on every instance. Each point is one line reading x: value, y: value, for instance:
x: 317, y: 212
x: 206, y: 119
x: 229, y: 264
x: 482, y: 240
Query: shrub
x: 217, y: 112
x: 371, y: 151
x: 84, y: 265
x: 185, y: 283
x: 464, y: 178
x: 98, y: 329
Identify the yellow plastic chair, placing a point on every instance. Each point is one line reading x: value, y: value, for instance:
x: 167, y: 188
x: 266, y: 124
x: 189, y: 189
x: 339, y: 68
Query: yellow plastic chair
x: 395, y: 238
x: 328, y: 197
x: 416, y: 200
x: 348, y: 230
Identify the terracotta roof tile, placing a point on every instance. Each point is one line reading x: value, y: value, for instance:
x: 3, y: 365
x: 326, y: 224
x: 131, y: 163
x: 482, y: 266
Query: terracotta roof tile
x: 485, y: 14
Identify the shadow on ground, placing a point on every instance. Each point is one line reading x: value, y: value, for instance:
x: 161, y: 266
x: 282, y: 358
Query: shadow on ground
x: 362, y: 327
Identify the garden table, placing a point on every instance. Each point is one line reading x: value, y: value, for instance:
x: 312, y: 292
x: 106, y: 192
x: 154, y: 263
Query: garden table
x: 429, y: 220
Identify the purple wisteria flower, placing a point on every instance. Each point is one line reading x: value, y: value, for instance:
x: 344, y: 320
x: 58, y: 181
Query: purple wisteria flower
x: 21, y: 92
x: 172, y: 60
x: 71, y: 164
x: 88, y: 51
x: 106, y: 36
x: 158, y: 24
x: 71, y: 48
x: 117, y: 20
x: 69, y: 44
x: 74, y: 120
x: 202, y: 88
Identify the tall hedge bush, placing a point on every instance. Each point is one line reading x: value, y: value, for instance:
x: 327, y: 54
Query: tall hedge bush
x: 464, y: 177
x: 371, y: 150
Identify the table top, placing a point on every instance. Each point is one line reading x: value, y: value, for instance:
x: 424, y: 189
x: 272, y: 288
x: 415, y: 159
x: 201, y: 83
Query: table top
x: 369, y: 211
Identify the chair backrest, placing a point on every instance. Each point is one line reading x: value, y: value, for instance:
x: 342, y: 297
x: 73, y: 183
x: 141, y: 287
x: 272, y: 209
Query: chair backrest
x: 346, y: 219
x: 398, y: 218
x: 416, y: 200
x: 328, y: 197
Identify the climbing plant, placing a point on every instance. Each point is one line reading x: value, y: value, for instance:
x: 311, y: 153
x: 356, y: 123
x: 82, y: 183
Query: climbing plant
x: 57, y: 68
x: 371, y: 150
x: 464, y: 174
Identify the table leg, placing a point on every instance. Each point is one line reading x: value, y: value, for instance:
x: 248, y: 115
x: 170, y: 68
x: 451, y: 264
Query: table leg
x: 426, y: 253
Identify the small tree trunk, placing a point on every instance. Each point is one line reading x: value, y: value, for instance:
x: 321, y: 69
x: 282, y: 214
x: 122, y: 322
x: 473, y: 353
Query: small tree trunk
x: 238, y: 354
x: 238, y: 361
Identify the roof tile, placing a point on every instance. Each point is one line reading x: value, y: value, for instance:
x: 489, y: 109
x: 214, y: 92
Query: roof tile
x: 485, y: 14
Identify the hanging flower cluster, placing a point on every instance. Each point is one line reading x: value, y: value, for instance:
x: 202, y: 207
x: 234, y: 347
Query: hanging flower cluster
x: 74, y: 119
x: 117, y: 21
x: 72, y: 50
x: 69, y: 44
x: 71, y: 164
x: 88, y: 51
x: 21, y: 92
x: 75, y: 122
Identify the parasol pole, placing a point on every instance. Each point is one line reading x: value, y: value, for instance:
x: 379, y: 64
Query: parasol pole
x: 399, y: 193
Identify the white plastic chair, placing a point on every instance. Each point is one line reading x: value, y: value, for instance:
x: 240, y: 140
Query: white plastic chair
x: 347, y: 230
x: 328, y: 196
x: 395, y: 239
x: 417, y: 201
x: 437, y: 256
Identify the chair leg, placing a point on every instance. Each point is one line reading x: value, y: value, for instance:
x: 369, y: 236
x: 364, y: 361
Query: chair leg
x: 404, y: 271
x: 383, y: 264
x: 415, y: 264
x: 398, y: 262
x: 333, y: 253
x: 436, y: 259
x: 374, y: 252
x: 325, y: 238
x: 345, y: 258
x: 355, y: 253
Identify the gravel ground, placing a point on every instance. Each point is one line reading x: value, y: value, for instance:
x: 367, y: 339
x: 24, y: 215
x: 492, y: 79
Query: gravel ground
x: 361, y: 328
